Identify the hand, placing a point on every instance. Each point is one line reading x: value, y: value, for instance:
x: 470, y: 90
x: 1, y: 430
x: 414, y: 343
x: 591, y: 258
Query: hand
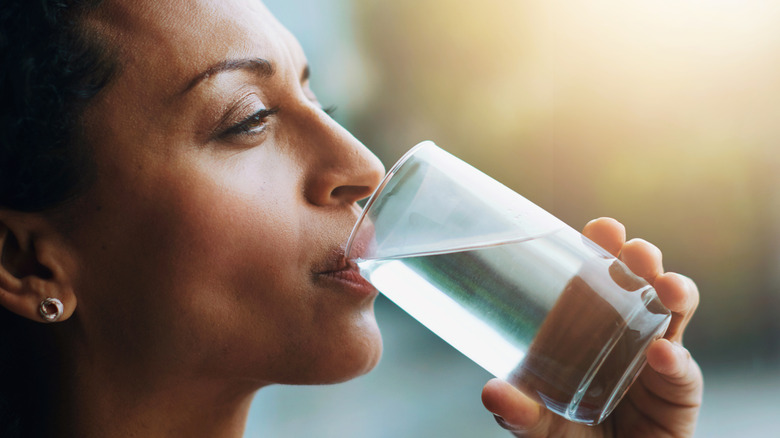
x: 665, y: 399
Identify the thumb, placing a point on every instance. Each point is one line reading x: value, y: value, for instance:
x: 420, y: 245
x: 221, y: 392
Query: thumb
x: 514, y: 411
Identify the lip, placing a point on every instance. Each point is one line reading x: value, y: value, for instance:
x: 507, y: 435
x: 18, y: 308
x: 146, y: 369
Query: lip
x: 347, y: 273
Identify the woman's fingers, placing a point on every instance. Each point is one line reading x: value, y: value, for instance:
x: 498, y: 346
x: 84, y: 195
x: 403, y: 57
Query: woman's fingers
x: 665, y: 399
x: 672, y: 394
x: 677, y: 292
x: 513, y: 409
x: 607, y: 233
x: 670, y: 359
x: 643, y: 259
x: 681, y: 296
x: 517, y: 413
x: 641, y: 256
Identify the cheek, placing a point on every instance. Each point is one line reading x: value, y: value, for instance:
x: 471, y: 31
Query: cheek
x: 189, y: 262
x: 233, y: 244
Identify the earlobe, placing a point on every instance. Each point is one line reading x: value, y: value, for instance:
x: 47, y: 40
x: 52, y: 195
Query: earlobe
x: 33, y: 283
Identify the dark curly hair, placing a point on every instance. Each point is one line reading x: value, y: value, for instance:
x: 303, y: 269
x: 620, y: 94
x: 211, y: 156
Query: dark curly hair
x: 51, y: 66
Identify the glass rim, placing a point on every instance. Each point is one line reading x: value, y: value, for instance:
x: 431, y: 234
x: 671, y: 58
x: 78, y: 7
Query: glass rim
x: 385, y: 180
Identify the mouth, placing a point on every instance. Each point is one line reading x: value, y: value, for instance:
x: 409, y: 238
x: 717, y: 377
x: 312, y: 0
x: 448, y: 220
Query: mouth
x: 347, y: 274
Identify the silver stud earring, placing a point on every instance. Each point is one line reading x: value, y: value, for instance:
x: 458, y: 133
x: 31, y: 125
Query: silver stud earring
x: 51, y: 309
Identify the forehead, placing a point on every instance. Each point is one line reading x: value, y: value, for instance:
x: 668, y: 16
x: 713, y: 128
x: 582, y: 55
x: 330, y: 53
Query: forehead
x: 168, y: 41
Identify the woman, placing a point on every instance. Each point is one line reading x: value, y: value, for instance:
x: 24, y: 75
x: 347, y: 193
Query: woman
x: 174, y: 201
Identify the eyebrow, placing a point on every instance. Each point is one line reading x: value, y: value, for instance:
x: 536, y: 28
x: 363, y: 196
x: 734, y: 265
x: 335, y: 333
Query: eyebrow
x: 259, y: 66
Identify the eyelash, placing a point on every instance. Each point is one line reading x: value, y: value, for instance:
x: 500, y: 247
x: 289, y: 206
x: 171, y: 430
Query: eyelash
x: 245, y: 127
x: 248, y: 126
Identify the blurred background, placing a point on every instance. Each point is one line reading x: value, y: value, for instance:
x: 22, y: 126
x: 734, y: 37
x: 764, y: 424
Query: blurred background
x: 663, y: 114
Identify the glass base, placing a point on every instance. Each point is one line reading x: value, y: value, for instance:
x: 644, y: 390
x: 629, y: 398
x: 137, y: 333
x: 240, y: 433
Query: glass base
x: 578, y: 409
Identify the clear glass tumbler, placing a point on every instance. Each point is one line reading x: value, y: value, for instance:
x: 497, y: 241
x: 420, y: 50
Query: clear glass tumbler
x: 506, y: 283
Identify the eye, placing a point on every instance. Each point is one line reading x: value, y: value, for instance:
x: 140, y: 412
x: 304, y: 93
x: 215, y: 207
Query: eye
x: 330, y: 110
x: 252, y: 125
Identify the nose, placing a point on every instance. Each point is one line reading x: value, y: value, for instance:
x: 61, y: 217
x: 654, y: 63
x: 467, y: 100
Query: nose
x: 341, y: 170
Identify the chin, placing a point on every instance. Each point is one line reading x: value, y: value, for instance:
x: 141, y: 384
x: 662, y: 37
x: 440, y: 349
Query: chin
x: 360, y: 358
x: 333, y: 354
x: 345, y: 358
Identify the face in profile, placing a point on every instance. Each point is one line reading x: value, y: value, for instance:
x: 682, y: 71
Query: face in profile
x: 211, y: 243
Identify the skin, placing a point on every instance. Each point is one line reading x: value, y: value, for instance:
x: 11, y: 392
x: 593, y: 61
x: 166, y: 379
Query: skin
x: 205, y: 262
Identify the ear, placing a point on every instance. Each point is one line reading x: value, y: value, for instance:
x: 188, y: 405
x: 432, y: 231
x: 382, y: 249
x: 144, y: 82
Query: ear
x: 34, y: 266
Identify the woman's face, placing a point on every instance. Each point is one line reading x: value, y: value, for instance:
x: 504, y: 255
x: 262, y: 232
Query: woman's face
x: 211, y: 242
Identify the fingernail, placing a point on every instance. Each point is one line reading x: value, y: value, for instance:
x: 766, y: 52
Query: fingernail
x: 504, y: 424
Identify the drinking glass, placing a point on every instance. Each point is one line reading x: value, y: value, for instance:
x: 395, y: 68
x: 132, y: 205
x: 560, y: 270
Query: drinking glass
x: 513, y: 288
